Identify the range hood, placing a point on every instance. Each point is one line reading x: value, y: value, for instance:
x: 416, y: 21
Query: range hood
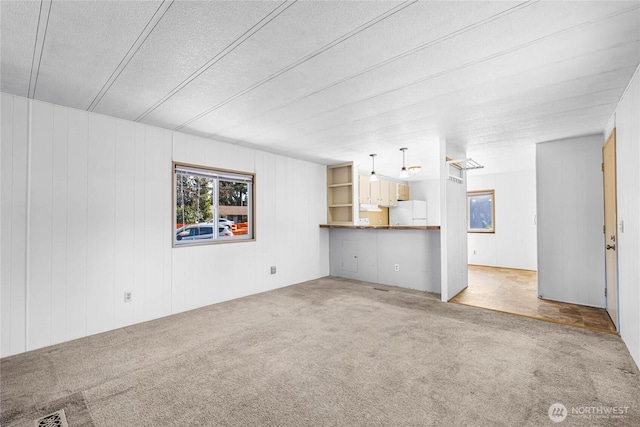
x: 369, y: 208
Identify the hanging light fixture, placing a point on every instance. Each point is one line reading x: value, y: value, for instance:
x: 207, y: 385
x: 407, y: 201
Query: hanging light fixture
x: 404, y: 173
x: 373, y: 176
x: 413, y: 170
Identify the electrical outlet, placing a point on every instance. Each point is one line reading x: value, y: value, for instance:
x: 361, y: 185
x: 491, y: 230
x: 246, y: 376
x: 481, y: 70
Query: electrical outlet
x: 474, y: 252
x: 128, y: 297
x: 396, y: 267
x: 273, y: 269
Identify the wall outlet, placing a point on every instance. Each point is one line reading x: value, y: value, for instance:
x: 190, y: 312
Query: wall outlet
x: 474, y: 252
x: 128, y: 297
x: 273, y: 269
x: 396, y: 267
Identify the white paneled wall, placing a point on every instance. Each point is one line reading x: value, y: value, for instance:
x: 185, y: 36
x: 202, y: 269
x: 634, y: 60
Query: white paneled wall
x: 570, y: 218
x: 453, y: 233
x: 428, y: 190
x: 514, y: 243
x: 15, y: 164
x: 627, y: 123
x: 87, y: 215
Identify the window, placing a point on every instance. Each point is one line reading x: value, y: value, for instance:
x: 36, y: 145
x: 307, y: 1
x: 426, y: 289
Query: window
x: 212, y: 205
x: 481, y: 211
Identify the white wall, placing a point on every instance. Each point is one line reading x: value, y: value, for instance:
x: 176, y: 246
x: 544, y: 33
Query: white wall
x: 453, y: 232
x: 87, y: 214
x: 514, y: 243
x: 627, y: 123
x: 428, y: 190
x: 570, y: 218
x: 417, y: 252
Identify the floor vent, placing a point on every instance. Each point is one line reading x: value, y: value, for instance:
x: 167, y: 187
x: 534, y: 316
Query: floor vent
x: 380, y: 289
x: 57, y: 419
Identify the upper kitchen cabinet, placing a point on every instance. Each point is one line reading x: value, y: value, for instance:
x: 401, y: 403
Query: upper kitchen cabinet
x: 341, y: 202
x: 393, y: 194
x: 381, y: 192
x: 364, y: 190
x: 384, y: 193
x: 403, y: 192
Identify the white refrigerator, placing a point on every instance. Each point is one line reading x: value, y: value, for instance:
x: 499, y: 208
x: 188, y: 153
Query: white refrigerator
x: 409, y: 212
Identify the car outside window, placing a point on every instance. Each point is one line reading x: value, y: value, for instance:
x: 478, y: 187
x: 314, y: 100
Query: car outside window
x: 205, y: 197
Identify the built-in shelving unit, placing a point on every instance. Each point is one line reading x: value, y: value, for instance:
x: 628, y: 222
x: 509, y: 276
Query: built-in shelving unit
x: 340, y: 194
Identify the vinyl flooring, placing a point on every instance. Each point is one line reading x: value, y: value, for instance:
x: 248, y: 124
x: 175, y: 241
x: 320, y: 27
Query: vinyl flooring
x: 516, y: 292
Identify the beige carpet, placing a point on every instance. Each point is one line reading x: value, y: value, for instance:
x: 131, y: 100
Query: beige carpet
x: 329, y: 352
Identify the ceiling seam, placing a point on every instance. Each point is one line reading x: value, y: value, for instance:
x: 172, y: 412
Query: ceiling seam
x: 471, y: 63
x: 126, y: 59
x: 397, y: 57
x: 459, y: 67
x: 282, y: 7
x: 390, y: 128
x: 447, y: 94
x: 304, y: 59
x: 31, y: 94
x: 35, y: 48
x: 424, y: 119
x: 528, y: 126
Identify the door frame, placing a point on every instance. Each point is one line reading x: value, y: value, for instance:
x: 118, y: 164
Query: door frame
x: 612, y: 304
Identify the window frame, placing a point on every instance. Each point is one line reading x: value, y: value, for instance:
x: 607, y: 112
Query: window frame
x: 491, y: 193
x: 214, y: 171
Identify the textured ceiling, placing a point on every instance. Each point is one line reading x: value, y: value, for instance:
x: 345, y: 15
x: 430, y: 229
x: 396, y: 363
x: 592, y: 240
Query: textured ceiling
x: 331, y: 81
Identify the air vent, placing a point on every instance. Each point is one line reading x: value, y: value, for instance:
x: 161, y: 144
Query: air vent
x: 56, y: 419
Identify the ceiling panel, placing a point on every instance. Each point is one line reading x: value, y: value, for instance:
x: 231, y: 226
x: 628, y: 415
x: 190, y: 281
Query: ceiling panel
x: 84, y: 44
x: 189, y: 36
x: 17, y: 45
x: 302, y: 28
x: 334, y: 81
x: 408, y: 29
x: 447, y: 56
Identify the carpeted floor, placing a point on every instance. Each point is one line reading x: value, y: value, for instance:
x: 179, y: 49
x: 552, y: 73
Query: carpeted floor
x: 330, y: 352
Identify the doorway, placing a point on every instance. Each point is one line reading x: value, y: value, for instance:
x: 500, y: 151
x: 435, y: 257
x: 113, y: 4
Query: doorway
x: 610, y: 226
x: 514, y: 291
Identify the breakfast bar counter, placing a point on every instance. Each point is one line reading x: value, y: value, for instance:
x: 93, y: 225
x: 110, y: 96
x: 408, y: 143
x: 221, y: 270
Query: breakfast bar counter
x: 398, y: 255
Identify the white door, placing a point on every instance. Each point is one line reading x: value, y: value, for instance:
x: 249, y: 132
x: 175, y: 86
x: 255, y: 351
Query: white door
x: 610, y: 225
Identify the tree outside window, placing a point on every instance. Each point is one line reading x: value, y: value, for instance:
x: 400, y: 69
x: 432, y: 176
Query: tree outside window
x: 212, y: 205
x: 481, y: 211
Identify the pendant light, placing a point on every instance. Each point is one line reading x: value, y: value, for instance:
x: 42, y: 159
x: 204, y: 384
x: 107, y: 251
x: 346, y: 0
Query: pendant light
x: 373, y: 177
x: 404, y: 173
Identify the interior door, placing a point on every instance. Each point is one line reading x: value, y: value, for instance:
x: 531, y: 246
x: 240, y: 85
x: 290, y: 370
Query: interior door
x: 610, y: 225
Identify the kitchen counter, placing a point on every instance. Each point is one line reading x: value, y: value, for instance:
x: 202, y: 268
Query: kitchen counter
x: 398, y: 255
x: 383, y: 227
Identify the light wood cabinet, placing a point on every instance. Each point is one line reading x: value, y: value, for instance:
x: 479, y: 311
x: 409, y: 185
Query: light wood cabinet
x: 364, y: 190
x: 403, y: 192
x: 340, y: 194
x: 384, y: 193
x: 375, y: 192
x: 381, y: 192
x: 393, y: 194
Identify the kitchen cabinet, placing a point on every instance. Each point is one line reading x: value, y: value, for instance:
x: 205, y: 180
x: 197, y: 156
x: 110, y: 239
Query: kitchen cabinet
x: 393, y: 194
x: 384, y: 193
x: 381, y: 192
x: 340, y: 194
x: 364, y: 190
x: 403, y: 192
x: 375, y: 192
